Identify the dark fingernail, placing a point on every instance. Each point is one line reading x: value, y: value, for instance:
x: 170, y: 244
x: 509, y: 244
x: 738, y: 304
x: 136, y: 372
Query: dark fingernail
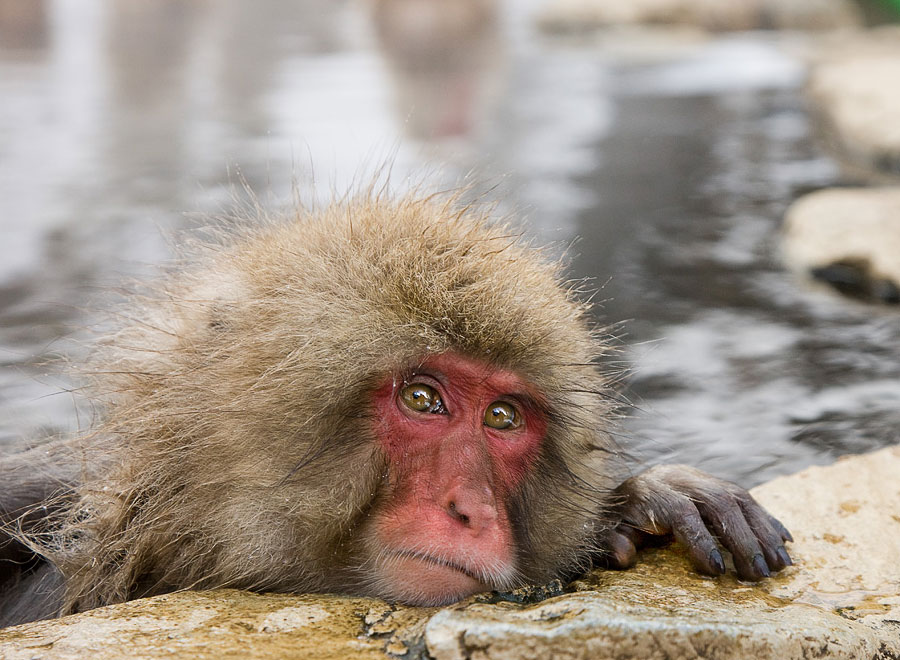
x: 784, y: 556
x: 759, y: 566
x: 788, y: 536
x: 715, y: 558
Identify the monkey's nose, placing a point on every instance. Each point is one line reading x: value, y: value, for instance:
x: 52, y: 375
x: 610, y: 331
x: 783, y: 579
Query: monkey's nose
x: 475, y: 510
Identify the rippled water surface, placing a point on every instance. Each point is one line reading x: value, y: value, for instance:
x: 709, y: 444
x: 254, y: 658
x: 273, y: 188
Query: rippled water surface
x: 671, y: 158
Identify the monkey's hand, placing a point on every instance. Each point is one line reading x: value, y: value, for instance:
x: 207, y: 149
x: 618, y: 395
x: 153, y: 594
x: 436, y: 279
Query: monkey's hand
x: 696, y: 509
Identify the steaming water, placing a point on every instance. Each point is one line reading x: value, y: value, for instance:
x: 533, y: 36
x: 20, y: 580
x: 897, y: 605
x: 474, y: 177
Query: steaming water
x: 674, y: 168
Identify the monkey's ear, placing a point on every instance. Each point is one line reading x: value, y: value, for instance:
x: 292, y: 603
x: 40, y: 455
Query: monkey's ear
x: 697, y: 509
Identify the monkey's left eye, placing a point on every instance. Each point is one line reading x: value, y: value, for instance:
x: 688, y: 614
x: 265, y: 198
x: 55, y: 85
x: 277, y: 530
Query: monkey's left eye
x: 422, y: 398
x: 502, y: 415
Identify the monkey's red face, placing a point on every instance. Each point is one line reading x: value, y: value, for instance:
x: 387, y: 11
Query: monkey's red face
x: 460, y: 437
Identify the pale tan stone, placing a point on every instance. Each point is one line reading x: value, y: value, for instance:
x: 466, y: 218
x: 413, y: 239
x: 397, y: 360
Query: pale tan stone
x: 850, y: 560
x: 201, y: 625
x: 854, y: 84
x: 840, y: 45
x: 581, y: 15
x: 846, y: 225
x: 614, y: 620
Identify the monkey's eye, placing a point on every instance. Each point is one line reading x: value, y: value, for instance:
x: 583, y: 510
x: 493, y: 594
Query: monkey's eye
x: 501, y: 415
x: 422, y: 398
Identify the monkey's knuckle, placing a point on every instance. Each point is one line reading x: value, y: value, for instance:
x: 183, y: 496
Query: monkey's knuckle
x: 742, y: 496
x: 722, y: 508
x: 668, y: 474
x: 682, y: 510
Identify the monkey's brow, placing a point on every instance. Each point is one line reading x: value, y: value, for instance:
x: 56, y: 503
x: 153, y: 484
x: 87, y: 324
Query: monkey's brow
x: 529, y: 402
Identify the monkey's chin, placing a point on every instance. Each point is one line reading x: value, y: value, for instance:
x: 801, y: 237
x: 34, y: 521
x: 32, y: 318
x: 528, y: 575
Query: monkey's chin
x: 418, y: 579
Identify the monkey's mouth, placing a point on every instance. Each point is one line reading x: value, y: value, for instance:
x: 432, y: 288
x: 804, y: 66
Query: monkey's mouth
x: 436, y: 561
x: 418, y: 578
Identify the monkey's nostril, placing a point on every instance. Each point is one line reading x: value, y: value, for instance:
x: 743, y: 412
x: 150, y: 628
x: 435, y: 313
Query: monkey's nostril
x: 463, y: 518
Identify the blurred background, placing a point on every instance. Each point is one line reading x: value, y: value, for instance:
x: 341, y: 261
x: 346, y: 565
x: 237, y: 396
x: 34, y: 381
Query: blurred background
x: 661, y: 157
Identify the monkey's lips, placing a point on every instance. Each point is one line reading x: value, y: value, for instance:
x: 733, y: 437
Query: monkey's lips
x: 421, y: 579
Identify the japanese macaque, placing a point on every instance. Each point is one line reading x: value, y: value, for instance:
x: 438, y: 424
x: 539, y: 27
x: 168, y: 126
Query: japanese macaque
x: 388, y: 397
x: 445, y: 59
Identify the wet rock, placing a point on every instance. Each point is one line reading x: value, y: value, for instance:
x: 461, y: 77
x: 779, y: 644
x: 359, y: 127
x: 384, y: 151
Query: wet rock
x: 854, y: 84
x: 585, y: 15
x: 846, y: 524
x: 848, y: 238
x: 216, y: 624
x: 840, y: 600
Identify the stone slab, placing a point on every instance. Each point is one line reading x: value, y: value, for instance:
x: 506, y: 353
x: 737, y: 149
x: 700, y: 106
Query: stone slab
x: 854, y: 85
x: 574, y: 16
x: 846, y: 226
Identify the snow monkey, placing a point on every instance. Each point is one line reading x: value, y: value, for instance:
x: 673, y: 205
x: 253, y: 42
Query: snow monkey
x: 391, y: 396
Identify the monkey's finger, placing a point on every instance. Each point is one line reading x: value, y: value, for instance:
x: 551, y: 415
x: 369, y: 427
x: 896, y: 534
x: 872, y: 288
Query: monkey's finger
x: 618, y: 550
x: 725, y: 516
x: 690, y: 530
x: 781, y: 529
x: 768, y: 536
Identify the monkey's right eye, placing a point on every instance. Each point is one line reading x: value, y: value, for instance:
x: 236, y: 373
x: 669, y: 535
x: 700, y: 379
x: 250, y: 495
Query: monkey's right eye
x: 422, y: 398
